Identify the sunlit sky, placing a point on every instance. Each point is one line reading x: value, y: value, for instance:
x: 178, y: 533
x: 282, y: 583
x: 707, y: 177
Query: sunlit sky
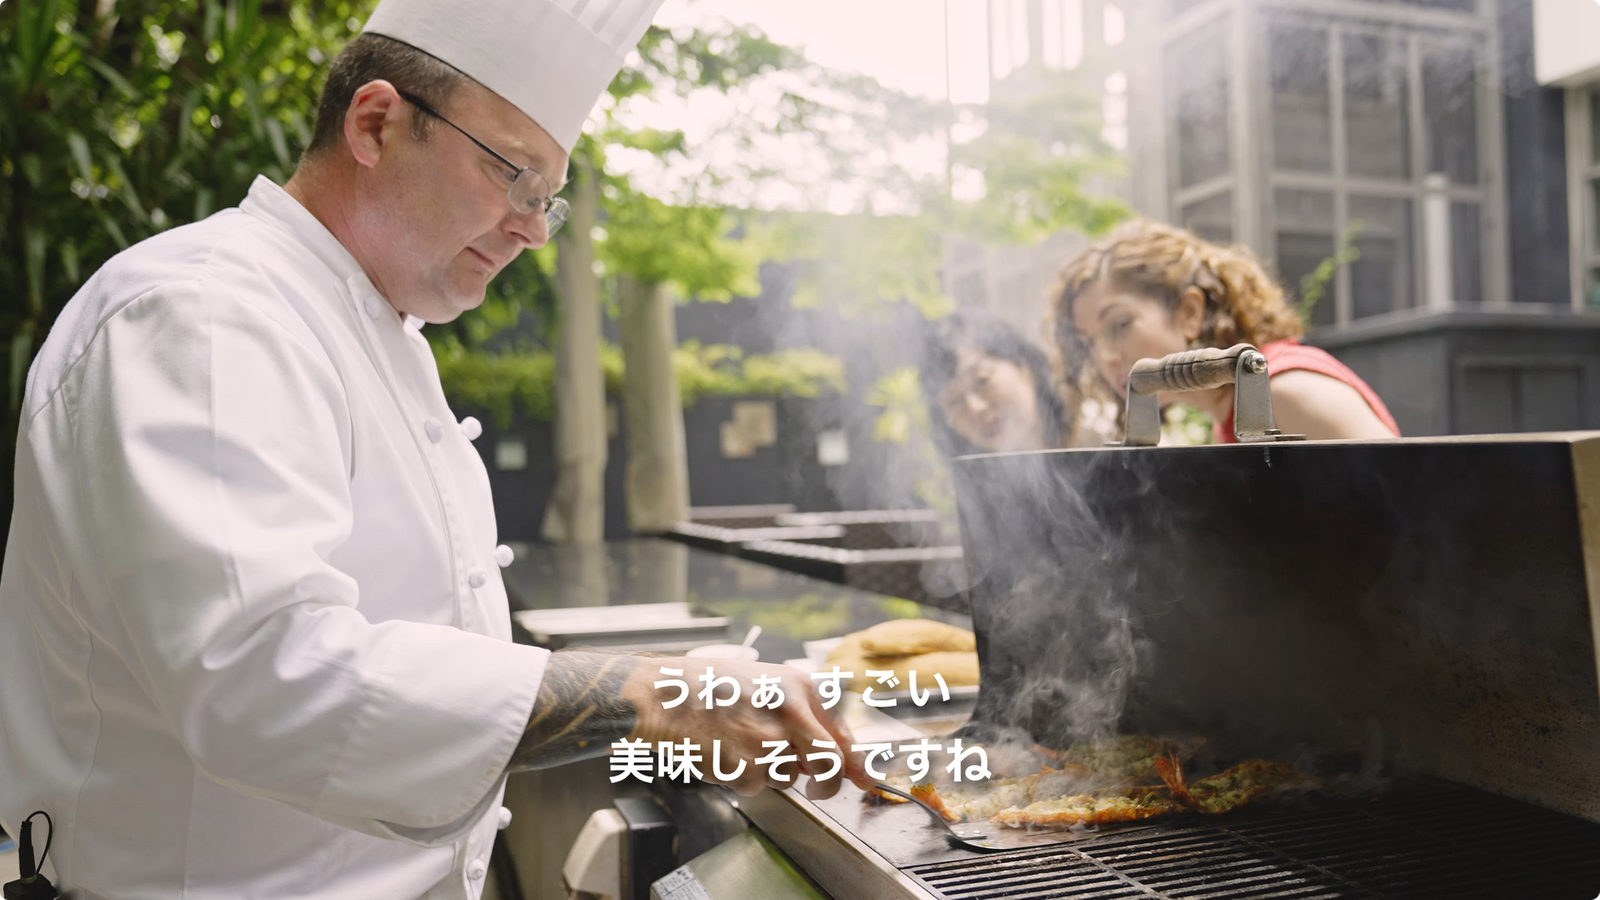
x: 901, y: 43
x: 931, y: 48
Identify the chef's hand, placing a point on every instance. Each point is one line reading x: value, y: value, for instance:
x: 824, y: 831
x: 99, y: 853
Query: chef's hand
x: 741, y: 727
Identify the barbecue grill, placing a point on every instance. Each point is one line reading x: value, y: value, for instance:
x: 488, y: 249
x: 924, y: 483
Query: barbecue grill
x: 1413, y: 619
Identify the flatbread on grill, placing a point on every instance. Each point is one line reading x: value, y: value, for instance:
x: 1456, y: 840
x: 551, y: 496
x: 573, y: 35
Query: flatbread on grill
x: 911, y: 637
x: 847, y: 655
x: 959, y: 668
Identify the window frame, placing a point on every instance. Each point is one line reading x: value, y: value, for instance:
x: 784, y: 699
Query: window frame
x: 1583, y: 180
x: 1417, y: 30
x: 1252, y: 177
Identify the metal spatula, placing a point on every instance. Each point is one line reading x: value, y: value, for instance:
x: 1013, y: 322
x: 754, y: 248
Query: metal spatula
x: 967, y: 837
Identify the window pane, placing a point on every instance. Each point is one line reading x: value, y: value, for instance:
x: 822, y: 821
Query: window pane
x: 1197, y: 95
x: 1594, y: 124
x: 1305, y: 240
x: 1594, y: 217
x: 1450, y: 106
x: 1466, y: 253
x: 1377, y: 106
x: 1381, y: 279
x: 1302, y: 123
x: 1464, y: 6
x: 1211, y: 218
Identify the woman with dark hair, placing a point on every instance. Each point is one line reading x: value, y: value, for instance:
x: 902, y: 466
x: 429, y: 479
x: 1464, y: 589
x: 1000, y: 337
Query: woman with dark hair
x: 988, y: 388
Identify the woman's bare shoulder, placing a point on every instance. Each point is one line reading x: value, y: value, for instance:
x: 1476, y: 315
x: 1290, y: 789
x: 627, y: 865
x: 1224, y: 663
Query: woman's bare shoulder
x: 1323, y: 408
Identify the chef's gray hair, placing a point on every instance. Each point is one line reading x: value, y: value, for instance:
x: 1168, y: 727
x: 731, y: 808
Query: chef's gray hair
x: 369, y: 57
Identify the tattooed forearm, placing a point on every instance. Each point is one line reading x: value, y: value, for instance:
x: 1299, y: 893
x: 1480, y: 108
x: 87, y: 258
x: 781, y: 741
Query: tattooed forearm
x: 580, y: 710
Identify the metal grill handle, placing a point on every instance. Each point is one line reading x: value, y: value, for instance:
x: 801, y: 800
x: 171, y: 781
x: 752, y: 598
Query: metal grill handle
x: 1241, y: 365
x: 1192, y: 370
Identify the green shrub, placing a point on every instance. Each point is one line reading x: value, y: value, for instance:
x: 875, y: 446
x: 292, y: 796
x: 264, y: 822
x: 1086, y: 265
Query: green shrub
x: 504, y: 384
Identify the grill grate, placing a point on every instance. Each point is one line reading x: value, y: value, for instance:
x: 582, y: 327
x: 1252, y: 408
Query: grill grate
x: 1445, y: 842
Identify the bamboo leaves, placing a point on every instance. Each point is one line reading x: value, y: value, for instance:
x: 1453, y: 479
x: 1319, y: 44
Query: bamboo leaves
x: 33, y: 247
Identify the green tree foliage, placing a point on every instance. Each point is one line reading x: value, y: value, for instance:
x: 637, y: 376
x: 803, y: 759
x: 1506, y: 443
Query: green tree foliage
x: 157, y: 113
x: 1042, y: 161
x: 122, y: 119
x: 498, y: 358
x: 863, y: 264
x: 692, y: 245
x: 691, y: 249
x: 506, y: 385
x: 1032, y: 161
x: 725, y: 370
x: 905, y: 421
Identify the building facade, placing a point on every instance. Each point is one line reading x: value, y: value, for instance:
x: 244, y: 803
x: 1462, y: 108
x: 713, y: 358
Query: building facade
x: 1567, y: 59
x: 1444, y: 153
x: 1413, y: 142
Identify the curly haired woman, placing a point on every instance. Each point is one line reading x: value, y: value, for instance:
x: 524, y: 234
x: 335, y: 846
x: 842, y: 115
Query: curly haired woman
x: 1149, y: 290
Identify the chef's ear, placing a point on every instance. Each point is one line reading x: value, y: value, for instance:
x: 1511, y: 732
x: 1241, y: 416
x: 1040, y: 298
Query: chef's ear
x: 376, y: 112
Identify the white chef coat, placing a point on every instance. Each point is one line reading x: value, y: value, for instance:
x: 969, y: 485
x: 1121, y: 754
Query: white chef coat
x: 253, y: 637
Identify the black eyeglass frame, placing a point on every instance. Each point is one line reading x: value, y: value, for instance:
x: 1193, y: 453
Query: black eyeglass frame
x: 556, y: 209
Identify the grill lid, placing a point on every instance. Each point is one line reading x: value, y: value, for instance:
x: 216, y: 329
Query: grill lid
x: 1416, y: 604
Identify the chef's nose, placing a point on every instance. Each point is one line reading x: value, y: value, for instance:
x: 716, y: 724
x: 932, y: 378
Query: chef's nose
x: 529, y: 229
x: 976, y: 402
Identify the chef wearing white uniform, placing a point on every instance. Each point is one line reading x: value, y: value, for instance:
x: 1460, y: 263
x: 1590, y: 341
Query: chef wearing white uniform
x: 253, y: 636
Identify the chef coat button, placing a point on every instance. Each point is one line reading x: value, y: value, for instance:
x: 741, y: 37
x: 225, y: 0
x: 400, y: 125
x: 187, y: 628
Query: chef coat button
x: 476, y: 869
x: 471, y: 428
x: 477, y: 579
x: 434, y: 429
x: 505, y: 818
x: 504, y: 556
x: 373, y: 305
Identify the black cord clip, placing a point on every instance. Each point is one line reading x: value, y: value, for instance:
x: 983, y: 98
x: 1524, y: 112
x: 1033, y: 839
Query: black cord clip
x: 32, y: 885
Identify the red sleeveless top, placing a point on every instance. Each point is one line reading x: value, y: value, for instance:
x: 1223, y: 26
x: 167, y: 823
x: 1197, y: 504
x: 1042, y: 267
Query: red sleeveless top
x: 1288, y: 355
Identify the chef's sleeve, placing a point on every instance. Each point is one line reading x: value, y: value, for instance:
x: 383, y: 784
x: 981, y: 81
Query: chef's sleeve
x: 215, y: 440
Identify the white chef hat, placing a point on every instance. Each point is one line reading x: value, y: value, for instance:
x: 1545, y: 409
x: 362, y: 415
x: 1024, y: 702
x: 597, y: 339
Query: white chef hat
x: 551, y: 58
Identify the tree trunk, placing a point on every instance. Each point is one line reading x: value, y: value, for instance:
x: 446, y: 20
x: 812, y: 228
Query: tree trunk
x: 658, y: 469
x: 576, y: 514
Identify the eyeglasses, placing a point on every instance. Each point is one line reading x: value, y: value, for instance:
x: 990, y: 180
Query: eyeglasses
x: 525, y: 192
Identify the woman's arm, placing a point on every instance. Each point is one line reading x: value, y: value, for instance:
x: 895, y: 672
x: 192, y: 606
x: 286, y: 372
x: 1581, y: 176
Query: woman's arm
x: 1323, y: 408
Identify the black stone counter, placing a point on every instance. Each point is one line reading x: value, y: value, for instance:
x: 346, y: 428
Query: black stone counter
x: 790, y: 608
x: 551, y: 805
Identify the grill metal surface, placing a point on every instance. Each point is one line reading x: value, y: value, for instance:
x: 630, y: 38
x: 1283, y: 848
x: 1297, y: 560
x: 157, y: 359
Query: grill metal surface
x: 1441, y: 842
x: 1427, y: 607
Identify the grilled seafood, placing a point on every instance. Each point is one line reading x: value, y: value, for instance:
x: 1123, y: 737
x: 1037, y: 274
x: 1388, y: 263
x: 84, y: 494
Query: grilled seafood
x: 1229, y: 790
x: 1107, y: 782
x: 1131, y: 756
x: 980, y: 801
x: 929, y: 794
x: 1104, y: 808
x: 1087, y: 766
